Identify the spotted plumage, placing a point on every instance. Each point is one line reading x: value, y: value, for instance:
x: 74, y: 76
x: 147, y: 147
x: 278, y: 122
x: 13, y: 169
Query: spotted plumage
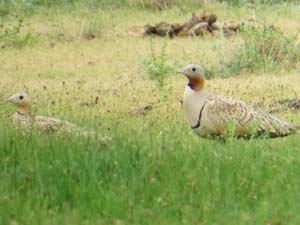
x: 26, y: 121
x: 211, y: 115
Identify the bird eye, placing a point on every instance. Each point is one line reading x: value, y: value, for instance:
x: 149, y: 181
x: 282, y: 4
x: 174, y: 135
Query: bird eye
x: 194, y: 69
x: 21, y: 97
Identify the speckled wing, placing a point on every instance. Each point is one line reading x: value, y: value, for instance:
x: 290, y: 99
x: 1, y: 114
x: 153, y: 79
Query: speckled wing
x: 219, y: 111
x: 52, y: 125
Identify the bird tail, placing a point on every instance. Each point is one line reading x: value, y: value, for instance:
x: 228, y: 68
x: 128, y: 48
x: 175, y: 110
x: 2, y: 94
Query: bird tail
x: 72, y: 129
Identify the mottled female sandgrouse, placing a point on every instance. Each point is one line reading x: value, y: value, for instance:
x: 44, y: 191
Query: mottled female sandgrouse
x: 211, y: 115
x: 26, y: 121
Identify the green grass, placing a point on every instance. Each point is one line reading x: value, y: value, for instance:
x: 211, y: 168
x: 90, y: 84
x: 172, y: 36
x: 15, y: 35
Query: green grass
x: 264, y: 50
x: 155, y: 170
x: 156, y: 66
x: 13, y: 35
x: 167, y: 177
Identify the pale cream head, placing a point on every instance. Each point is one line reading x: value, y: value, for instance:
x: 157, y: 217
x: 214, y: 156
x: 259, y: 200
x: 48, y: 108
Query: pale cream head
x: 193, y: 71
x: 196, y: 75
x: 22, y: 101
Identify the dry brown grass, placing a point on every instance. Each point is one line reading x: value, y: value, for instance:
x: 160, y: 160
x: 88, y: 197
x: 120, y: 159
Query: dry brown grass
x: 67, y: 76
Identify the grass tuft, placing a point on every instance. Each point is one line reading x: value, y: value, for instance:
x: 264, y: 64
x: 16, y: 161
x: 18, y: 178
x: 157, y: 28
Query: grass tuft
x: 13, y: 35
x: 157, y: 66
x: 263, y: 50
x: 91, y: 28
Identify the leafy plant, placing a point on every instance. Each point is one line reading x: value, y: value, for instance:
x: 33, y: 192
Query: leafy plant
x: 14, y: 36
x: 264, y: 50
x: 156, y: 66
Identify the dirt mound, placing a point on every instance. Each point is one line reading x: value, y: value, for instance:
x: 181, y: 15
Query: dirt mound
x: 205, y: 24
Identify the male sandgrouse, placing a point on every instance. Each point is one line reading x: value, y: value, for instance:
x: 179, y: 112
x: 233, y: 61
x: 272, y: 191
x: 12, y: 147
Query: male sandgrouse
x: 211, y: 115
x: 26, y: 121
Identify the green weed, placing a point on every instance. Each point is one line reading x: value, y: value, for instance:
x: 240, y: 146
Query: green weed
x: 13, y: 35
x: 157, y: 66
x: 263, y: 50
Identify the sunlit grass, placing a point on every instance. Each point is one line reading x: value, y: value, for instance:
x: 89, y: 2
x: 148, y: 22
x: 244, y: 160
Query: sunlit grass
x: 161, y: 176
x: 155, y: 170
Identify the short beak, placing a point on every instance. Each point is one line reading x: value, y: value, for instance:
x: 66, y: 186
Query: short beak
x: 182, y: 71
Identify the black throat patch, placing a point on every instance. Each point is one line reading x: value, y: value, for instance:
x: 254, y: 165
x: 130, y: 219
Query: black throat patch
x: 199, y: 118
x: 23, y: 114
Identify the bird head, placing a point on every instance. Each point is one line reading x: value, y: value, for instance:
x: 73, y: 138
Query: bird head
x: 22, y: 101
x: 195, y: 74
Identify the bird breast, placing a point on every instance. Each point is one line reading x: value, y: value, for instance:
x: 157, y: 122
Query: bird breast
x: 22, y: 121
x: 193, y: 102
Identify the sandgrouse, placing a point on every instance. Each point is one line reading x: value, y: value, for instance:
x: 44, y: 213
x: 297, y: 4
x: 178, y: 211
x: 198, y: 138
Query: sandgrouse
x: 211, y: 115
x: 26, y: 121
